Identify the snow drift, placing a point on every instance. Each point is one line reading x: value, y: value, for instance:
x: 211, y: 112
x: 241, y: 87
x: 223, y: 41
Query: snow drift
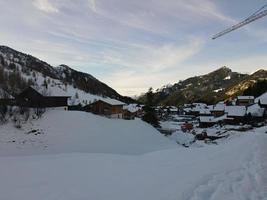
x: 73, y: 131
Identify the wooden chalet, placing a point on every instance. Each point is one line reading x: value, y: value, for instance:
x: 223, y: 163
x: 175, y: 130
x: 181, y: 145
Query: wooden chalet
x: 33, y: 99
x: 206, y: 121
x: 263, y: 103
x: 128, y: 115
x: 244, y: 100
x: 110, y: 108
x: 218, y: 110
x: 236, y: 114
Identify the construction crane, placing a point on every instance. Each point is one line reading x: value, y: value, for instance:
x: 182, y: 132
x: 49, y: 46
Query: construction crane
x: 258, y: 14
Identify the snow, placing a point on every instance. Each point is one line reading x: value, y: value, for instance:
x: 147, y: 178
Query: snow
x: 4, y: 94
x: 202, y: 108
x: 245, y: 97
x: 206, y: 119
x: 79, y: 155
x: 219, y: 107
x: 113, y: 102
x: 132, y: 107
x: 227, y: 78
x: 262, y: 98
x: 73, y: 131
x: 235, y: 111
x: 235, y: 170
x: 255, y: 110
x: 218, y: 90
x: 182, y: 138
x: 55, y: 87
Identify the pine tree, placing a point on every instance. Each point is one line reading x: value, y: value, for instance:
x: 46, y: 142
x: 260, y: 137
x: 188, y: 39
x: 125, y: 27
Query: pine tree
x: 150, y: 114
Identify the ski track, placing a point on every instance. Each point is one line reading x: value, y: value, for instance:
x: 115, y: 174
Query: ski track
x: 237, y: 184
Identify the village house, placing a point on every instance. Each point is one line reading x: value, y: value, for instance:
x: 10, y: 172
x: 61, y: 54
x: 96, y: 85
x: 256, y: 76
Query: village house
x: 206, y: 121
x: 197, y: 109
x: 263, y: 103
x: 255, y: 111
x: 244, y: 100
x: 31, y: 98
x: 218, y: 110
x: 235, y: 114
x: 131, y: 111
x: 128, y: 115
x: 108, y: 107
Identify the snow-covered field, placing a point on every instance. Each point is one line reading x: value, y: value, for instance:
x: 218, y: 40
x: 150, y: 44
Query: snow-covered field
x: 79, y: 156
x: 73, y: 131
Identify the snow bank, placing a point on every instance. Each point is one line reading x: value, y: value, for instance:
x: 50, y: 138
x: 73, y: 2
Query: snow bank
x: 73, y: 131
x: 232, y: 171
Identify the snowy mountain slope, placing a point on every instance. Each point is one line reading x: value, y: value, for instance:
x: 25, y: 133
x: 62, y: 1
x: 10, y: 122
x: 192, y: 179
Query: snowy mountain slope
x: 235, y: 170
x: 210, y: 88
x: 70, y: 131
x: 18, y: 70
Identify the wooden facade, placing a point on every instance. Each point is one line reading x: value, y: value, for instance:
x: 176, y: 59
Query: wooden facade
x: 33, y: 99
x: 128, y: 115
x: 104, y: 108
x: 244, y: 100
x: 217, y: 113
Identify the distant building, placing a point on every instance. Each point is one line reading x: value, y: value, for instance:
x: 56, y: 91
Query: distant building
x: 218, y: 110
x: 244, y: 100
x: 255, y: 111
x: 128, y: 115
x: 206, y: 121
x: 33, y: 99
x: 236, y: 114
x: 263, y: 103
x: 197, y: 109
x: 109, y: 107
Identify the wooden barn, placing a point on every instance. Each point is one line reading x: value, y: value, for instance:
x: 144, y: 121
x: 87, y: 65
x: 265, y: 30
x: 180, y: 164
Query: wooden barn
x: 107, y: 107
x: 218, y: 110
x: 128, y: 115
x: 33, y: 99
x: 244, y: 100
x: 236, y: 114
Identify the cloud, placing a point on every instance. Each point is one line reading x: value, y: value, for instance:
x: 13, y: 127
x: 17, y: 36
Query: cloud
x: 131, y: 45
x: 150, y: 66
x: 45, y: 5
x: 92, y: 5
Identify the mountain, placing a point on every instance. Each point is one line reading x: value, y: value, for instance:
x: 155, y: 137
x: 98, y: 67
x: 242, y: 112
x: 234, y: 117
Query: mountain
x: 218, y: 85
x: 248, y: 82
x: 19, y: 70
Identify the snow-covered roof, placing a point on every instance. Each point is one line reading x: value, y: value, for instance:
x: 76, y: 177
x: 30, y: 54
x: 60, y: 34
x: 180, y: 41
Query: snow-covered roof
x: 112, y: 102
x: 132, y: 107
x: 204, y: 111
x: 262, y: 98
x: 4, y: 94
x: 206, y: 119
x: 245, y: 97
x: 263, y: 101
x: 235, y: 111
x: 200, y: 104
x: 198, y: 107
x: 219, y: 107
x: 255, y: 110
x: 221, y: 118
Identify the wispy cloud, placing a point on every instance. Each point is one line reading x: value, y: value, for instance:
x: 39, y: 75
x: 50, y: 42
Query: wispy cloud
x: 131, y: 45
x: 92, y: 5
x: 45, y: 5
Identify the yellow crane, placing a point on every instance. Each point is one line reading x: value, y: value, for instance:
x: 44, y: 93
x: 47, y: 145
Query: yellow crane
x: 258, y: 14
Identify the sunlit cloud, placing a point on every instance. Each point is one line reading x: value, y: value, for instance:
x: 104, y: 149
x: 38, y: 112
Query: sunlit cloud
x: 133, y: 45
x: 45, y: 5
x: 92, y: 5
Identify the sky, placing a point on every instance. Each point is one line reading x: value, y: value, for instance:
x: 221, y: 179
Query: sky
x: 132, y: 45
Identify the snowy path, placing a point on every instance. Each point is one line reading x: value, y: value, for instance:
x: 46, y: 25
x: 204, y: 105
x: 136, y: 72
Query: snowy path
x: 249, y: 182
x: 234, y: 170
